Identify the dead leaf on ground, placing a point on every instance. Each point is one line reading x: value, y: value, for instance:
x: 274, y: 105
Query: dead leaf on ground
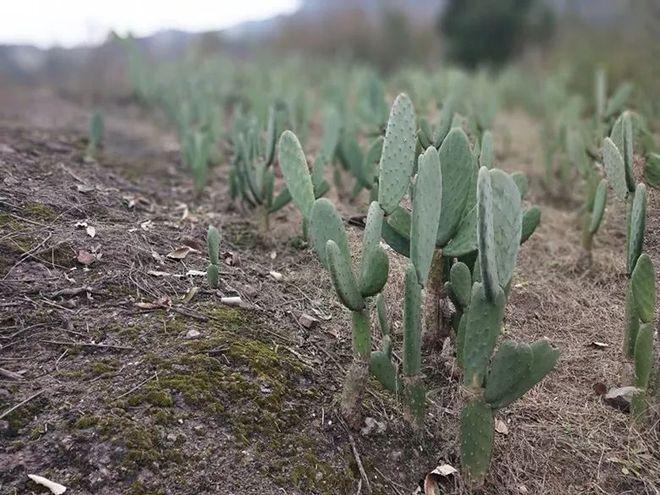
x: 85, y: 257
x: 307, y: 321
x: 276, y: 275
x: 600, y: 388
x: 91, y: 231
x: 181, y: 252
x: 84, y: 188
x: 147, y: 225
x: 231, y: 259
x: 599, y: 345
x: 438, y: 475
x: 196, y: 273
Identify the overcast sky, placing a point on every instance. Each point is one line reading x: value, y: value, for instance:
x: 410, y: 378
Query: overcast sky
x: 67, y: 23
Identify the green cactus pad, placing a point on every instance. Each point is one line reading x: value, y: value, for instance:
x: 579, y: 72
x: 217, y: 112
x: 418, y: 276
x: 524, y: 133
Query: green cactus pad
x: 460, y: 280
x: 486, y: 154
x: 643, y: 288
x: 325, y: 224
x: 401, y: 221
x: 342, y: 277
x: 381, y: 366
x: 486, y: 235
x: 381, y: 310
x: 521, y: 182
x: 643, y: 367
x: 280, y: 201
x: 212, y: 275
x: 476, y: 441
x: 652, y: 170
x: 637, y: 226
x: 296, y: 173
x: 544, y: 358
x: 457, y: 164
x: 465, y: 238
x: 271, y: 136
x: 374, y: 272
x: 444, y: 123
x: 644, y: 355
x: 426, y: 213
x: 510, y: 365
x: 507, y: 224
x: 530, y: 221
x: 615, y: 169
x: 618, y: 100
x: 460, y: 340
x: 600, y: 200
x: 632, y: 323
x: 397, y: 160
x: 372, y: 233
x: 370, y: 162
x: 361, y: 333
x: 332, y: 128
x: 213, y: 243
x: 412, y: 323
x: 627, y: 150
x: 483, y: 324
x: 396, y: 241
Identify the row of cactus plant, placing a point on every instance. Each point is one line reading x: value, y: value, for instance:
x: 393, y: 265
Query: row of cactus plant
x: 618, y: 155
x: 496, y: 229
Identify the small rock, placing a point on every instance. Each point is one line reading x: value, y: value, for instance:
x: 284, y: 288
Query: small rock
x: 395, y: 455
x: 620, y: 398
x: 193, y: 334
x: 501, y: 427
x: 371, y: 425
x: 307, y: 321
x: 276, y: 275
x: 171, y: 437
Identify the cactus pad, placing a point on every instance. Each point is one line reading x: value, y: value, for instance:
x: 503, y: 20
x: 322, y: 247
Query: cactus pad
x: 507, y: 224
x: 457, y: 164
x: 397, y: 160
x: 600, y: 200
x: 325, y: 224
x: 342, y: 277
x: 485, y: 234
x: 296, y: 173
x: 544, y: 358
x: 373, y: 272
x: 476, y: 440
x: 460, y: 280
x: 637, y: 226
x: 412, y: 324
x: 465, y: 238
x: 530, y: 221
x: 212, y: 275
x: 484, y: 320
x: 426, y: 213
x: 486, y: 155
x: 381, y: 366
x: 213, y: 242
x: 643, y: 288
x: 615, y: 168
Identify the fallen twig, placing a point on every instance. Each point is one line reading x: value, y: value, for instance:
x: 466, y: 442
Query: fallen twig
x: 137, y: 386
x: 22, y: 403
x: 358, y: 461
x: 87, y: 344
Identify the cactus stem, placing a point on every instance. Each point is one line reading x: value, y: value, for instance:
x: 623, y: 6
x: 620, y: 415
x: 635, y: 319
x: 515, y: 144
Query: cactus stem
x: 358, y: 373
x: 436, y: 327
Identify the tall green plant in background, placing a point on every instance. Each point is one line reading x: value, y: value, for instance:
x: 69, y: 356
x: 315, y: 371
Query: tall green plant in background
x: 96, y: 131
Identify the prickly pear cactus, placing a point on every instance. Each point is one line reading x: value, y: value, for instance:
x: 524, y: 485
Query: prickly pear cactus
x: 636, y: 227
x: 476, y: 440
x: 213, y: 242
x: 643, y: 367
x: 397, y: 160
x: 296, y: 173
x: 643, y: 288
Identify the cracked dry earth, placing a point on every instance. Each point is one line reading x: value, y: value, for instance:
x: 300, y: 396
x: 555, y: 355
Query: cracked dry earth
x: 131, y: 377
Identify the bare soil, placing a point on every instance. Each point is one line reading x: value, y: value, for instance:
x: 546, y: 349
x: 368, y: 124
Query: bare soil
x: 121, y: 396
